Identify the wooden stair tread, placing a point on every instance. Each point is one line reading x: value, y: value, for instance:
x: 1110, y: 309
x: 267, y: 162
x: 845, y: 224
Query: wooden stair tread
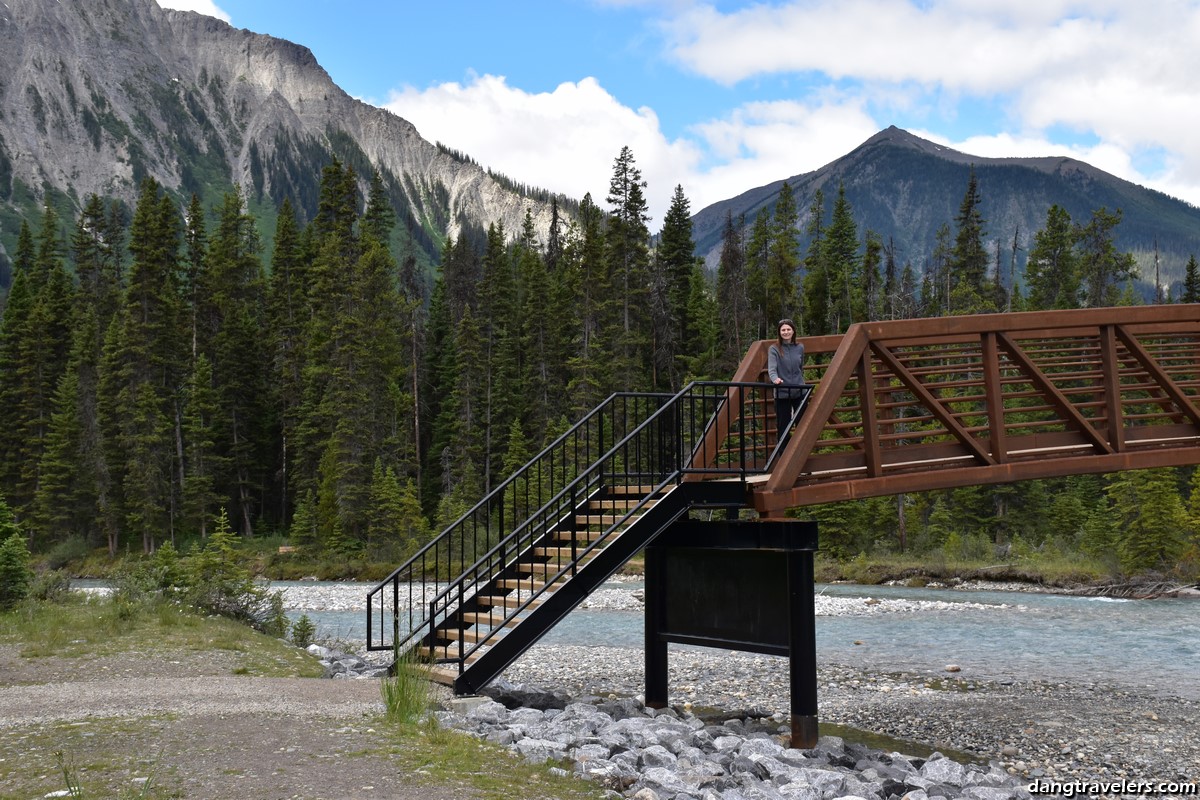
x: 566, y: 536
x: 492, y: 620
x: 624, y: 504
x: 459, y: 635
x: 508, y: 601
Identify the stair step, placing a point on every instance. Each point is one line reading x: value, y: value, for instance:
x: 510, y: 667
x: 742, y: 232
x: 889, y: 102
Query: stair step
x: 553, y: 567
x: 446, y: 676
x: 453, y: 650
x: 528, y: 584
x: 491, y: 620
x: 579, y: 536
x: 472, y: 635
x: 630, y: 489
x: 624, y: 504
x: 607, y: 520
x: 508, y: 601
x: 562, y: 554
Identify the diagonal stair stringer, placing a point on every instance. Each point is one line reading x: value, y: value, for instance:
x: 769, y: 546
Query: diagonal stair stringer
x: 589, y: 576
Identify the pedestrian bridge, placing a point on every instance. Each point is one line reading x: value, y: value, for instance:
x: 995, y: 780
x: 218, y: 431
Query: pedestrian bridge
x: 900, y: 406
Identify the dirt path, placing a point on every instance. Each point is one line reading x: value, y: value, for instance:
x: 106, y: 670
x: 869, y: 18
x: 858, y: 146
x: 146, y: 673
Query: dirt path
x: 195, y: 736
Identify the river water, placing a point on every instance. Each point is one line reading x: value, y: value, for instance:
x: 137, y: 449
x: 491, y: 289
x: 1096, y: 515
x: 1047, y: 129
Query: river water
x: 1140, y: 644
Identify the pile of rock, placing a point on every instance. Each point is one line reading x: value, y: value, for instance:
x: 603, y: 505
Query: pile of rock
x: 649, y: 754
x: 346, y: 665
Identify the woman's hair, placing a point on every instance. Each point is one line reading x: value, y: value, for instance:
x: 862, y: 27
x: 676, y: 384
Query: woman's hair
x: 782, y: 322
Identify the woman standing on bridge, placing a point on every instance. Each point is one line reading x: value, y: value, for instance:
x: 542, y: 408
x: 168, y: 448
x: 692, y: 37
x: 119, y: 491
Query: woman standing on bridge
x: 785, y: 366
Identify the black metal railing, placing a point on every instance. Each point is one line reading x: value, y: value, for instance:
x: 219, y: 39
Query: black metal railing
x: 539, y: 526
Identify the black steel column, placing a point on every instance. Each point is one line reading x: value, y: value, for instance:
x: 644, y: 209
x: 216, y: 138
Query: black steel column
x: 802, y: 640
x: 656, y: 645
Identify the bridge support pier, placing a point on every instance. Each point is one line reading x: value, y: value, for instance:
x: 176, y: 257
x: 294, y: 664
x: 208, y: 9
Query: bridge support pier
x: 736, y: 585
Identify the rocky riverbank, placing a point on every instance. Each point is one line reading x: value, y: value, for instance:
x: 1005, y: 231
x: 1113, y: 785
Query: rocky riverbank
x: 1026, y: 729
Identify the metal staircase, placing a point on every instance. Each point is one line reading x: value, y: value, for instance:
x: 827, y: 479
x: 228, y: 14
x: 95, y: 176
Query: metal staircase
x: 481, y: 593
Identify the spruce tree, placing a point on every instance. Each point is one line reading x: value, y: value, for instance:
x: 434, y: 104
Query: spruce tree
x: 586, y: 278
x: 1191, y: 281
x: 783, y: 259
x: 1104, y: 269
x: 628, y: 254
x: 843, y: 265
x: 969, y: 293
x: 1052, y: 270
x: 147, y: 362
x: 234, y: 299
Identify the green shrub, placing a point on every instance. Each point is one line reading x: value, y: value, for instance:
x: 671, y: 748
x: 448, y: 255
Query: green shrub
x: 216, y: 582
x: 73, y: 550
x: 303, y: 631
x: 15, y: 573
x: 51, y: 585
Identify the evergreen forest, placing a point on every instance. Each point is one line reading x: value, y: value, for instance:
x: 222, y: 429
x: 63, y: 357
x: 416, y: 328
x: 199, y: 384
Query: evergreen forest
x: 158, y: 372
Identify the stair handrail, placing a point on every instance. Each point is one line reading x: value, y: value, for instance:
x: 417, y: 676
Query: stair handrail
x: 597, y: 414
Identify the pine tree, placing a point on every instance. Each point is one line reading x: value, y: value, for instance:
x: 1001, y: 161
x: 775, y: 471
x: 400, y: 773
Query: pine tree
x: 203, y: 462
x: 288, y: 310
x: 1191, y: 281
x: 969, y: 293
x: 234, y: 299
x: 758, y: 256
x: 783, y: 259
x: 815, y: 288
x: 676, y: 256
x: 840, y: 258
x: 1104, y: 270
x: 1152, y: 519
x: 627, y: 240
x: 586, y: 279
x: 1052, y: 270
x: 870, y: 302
x: 733, y: 302
x: 146, y: 363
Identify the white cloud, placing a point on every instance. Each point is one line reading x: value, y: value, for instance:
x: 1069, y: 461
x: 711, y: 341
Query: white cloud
x: 1119, y: 72
x: 206, y: 7
x: 565, y: 140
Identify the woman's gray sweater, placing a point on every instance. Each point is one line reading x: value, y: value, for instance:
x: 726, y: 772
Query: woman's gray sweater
x: 788, y: 365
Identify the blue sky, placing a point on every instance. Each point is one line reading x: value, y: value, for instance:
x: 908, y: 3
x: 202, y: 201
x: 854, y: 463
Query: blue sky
x: 720, y: 97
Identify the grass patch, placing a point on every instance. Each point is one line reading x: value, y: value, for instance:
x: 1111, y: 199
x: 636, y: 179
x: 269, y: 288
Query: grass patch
x: 1054, y: 571
x: 406, y: 690
x: 89, y: 628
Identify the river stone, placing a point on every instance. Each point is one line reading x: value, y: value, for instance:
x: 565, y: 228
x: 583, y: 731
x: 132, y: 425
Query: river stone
x: 992, y: 793
x: 590, y: 752
x: 762, y: 747
x: 799, y: 791
x: 658, y: 756
x: 725, y: 744
x: 536, y: 751
x: 663, y: 781
x: 491, y: 713
x: 943, y: 770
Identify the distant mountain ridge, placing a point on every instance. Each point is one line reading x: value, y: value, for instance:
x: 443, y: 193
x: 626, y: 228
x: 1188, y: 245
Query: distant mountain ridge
x: 96, y: 95
x: 905, y: 187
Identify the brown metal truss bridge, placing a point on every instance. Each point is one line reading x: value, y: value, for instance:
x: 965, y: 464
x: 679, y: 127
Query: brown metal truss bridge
x: 916, y: 405
x: 900, y: 406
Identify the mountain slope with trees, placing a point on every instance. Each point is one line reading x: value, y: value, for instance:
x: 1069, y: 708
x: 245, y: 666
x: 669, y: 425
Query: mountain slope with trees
x: 904, y: 187
x: 98, y: 96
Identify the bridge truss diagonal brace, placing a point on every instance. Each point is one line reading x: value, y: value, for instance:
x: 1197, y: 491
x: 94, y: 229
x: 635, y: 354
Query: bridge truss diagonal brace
x: 922, y: 393
x: 1165, y: 382
x: 1052, y: 393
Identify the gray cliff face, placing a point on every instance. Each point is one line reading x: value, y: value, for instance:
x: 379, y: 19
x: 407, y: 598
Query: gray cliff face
x: 97, y: 94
